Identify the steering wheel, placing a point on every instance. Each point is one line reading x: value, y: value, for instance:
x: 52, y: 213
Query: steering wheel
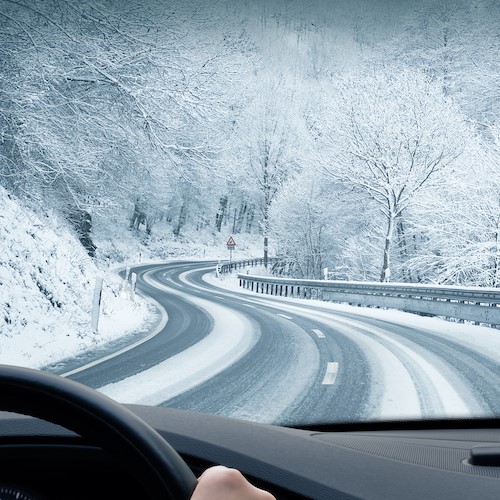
x: 103, y: 421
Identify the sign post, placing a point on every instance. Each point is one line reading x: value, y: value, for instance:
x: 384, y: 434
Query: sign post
x: 230, y: 246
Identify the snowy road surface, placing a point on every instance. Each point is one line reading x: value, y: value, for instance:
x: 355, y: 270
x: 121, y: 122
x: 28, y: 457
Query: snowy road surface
x: 228, y: 351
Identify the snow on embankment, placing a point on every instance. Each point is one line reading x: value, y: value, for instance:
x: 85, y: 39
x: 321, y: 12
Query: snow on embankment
x: 46, y: 290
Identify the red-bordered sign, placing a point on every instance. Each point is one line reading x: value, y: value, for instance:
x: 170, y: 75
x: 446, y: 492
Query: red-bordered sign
x: 230, y: 242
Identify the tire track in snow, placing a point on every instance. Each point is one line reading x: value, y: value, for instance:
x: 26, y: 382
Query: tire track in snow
x: 275, y: 376
x: 230, y: 338
x: 413, y: 382
x: 466, y: 366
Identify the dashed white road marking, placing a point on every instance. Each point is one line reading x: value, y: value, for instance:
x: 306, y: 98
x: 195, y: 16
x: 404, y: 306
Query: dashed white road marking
x: 319, y: 333
x: 332, y: 369
x: 284, y: 316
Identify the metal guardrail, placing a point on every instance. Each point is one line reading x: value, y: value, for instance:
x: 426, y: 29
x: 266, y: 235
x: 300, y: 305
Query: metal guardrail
x: 228, y: 267
x: 479, y: 305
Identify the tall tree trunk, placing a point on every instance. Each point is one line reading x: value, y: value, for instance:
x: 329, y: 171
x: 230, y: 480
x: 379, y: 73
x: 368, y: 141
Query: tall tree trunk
x: 496, y: 262
x: 403, y: 247
x: 250, y: 219
x: 240, y: 218
x: 266, y: 251
x: 219, y: 218
x: 181, y: 221
x: 266, y: 235
x: 386, y: 269
x: 137, y: 216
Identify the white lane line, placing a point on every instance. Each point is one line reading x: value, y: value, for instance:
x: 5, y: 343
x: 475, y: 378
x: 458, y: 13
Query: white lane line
x: 319, y: 333
x: 332, y: 369
x: 284, y: 316
x: 250, y: 305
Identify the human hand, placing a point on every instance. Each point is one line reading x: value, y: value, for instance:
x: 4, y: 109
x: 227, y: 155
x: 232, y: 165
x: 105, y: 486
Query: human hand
x: 222, y: 483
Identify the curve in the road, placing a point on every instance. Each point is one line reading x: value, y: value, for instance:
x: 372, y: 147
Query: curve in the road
x: 429, y: 375
x: 280, y: 360
x: 187, y: 324
x: 281, y: 379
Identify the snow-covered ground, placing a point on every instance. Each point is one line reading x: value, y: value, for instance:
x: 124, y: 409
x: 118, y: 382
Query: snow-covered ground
x: 47, y: 284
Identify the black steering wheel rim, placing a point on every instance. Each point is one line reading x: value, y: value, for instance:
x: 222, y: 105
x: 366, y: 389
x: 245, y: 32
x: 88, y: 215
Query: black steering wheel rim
x: 102, y: 421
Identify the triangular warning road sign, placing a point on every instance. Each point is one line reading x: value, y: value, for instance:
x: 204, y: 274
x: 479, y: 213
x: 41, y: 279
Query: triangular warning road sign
x: 231, y: 242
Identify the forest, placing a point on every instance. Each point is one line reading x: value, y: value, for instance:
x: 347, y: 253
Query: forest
x: 359, y: 136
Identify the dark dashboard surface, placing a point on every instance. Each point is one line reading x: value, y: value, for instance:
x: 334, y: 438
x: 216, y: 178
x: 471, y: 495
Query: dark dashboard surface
x: 376, y: 463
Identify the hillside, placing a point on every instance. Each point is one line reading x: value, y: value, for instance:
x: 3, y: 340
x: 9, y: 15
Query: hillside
x: 46, y: 290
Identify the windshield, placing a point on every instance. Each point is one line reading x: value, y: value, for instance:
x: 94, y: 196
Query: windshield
x: 280, y: 211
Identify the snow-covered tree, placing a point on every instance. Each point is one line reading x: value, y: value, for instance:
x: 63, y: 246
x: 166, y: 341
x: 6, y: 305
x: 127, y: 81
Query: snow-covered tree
x: 390, y: 135
x: 114, y: 102
x: 272, y: 143
x: 303, y: 220
x: 455, y: 42
x: 460, y: 227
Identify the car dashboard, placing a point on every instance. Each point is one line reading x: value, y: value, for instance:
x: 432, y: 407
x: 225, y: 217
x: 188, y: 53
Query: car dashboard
x: 375, y: 461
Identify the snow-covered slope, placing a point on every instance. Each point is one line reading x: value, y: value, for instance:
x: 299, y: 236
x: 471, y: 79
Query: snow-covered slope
x: 46, y: 290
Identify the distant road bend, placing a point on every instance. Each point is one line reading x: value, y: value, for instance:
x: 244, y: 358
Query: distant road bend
x: 281, y: 360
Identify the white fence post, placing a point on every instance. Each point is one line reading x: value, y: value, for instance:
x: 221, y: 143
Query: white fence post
x: 96, y: 304
x: 133, y: 280
x: 125, y: 282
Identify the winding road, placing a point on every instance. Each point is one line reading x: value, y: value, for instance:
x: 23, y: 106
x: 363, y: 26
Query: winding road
x: 223, y: 350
